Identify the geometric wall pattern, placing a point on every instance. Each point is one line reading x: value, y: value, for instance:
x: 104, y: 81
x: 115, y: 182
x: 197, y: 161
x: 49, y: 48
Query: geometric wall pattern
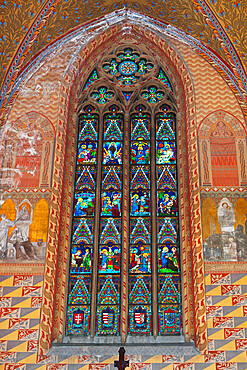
x: 226, y: 295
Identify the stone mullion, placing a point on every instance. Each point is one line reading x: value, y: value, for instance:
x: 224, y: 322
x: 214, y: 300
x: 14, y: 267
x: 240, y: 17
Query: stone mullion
x: 154, y: 227
x: 96, y: 229
x: 125, y: 231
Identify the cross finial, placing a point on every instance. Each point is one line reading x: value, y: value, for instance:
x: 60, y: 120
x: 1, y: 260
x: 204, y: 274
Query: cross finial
x: 121, y: 364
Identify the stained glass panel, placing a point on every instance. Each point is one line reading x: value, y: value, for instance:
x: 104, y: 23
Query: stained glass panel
x: 112, y: 178
x: 140, y: 320
x: 140, y: 203
x: 166, y: 152
x: 140, y: 258
x: 140, y: 177
x: 78, y: 320
x: 140, y: 290
x: 167, y: 230
x: 169, y: 289
x: 112, y: 153
x: 109, y: 258
x: 166, y: 177
x: 140, y: 152
x: 109, y: 290
x: 84, y: 204
x: 111, y: 203
x: 85, y: 177
x: 110, y: 231
x: 87, y: 152
x: 81, y: 258
x: 163, y: 78
x: 167, y: 202
x: 169, y: 318
x: 108, y: 318
x: 79, y: 290
x: 140, y: 230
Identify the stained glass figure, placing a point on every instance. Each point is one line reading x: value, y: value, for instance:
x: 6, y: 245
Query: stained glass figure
x: 85, y: 177
x: 166, y: 177
x: 81, y: 258
x: 87, y: 152
x: 167, y: 230
x: 102, y: 95
x: 84, y: 204
x: 140, y: 230
x: 112, y: 153
x: 107, y: 320
x: 140, y: 177
x: 140, y: 289
x: 78, y: 318
x: 140, y: 321
x: 167, y: 202
x: 140, y: 203
x: 140, y: 258
x: 163, y: 78
x: 111, y: 204
x: 169, y: 289
x: 169, y: 319
x: 140, y: 152
x: 80, y: 290
x: 109, y: 258
x: 110, y: 231
x: 152, y: 94
x: 166, y: 152
x: 168, y: 258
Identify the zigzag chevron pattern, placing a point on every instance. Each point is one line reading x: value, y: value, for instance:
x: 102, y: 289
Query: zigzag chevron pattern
x: 209, y: 98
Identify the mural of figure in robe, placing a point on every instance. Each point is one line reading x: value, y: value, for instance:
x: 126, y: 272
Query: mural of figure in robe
x: 223, y: 230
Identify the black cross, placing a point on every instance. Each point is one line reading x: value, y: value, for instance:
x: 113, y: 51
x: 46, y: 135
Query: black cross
x: 121, y: 364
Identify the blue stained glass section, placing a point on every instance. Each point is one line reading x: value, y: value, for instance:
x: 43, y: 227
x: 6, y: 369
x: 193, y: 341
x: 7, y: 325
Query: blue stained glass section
x: 140, y: 319
x: 167, y: 177
x: 167, y: 203
x: 140, y: 259
x: 113, y: 127
x: 140, y: 177
x: 167, y: 230
x: 84, y: 204
x: 78, y: 320
x: 92, y: 78
x: 81, y: 258
x: 112, y: 178
x: 112, y: 153
x: 165, y: 128
x: 82, y: 231
x: 110, y: 231
x: 127, y: 95
x: 80, y: 290
x: 169, y: 319
x: 169, y: 289
x: 140, y: 288
x: 85, y: 177
x: 88, y: 127
x: 87, y: 152
x: 166, y: 152
x: 140, y: 127
x: 109, y: 258
x: 140, y: 152
x: 140, y: 203
x: 168, y: 258
x: 163, y: 78
x: 140, y: 231
x: 111, y: 203
x: 108, y: 319
x: 109, y: 290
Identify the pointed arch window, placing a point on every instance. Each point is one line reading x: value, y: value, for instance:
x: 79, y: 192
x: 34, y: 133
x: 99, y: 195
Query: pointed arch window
x: 124, y: 268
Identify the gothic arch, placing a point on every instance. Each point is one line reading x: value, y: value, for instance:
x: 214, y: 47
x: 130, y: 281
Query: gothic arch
x: 221, y: 132
x: 54, y: 301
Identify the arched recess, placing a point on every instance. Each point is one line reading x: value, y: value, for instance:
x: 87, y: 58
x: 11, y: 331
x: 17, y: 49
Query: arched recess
x: 55, y: 292
x: 223, y: 150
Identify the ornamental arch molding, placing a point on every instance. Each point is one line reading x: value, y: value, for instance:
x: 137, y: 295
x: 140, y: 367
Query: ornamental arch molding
x: 53, y: 313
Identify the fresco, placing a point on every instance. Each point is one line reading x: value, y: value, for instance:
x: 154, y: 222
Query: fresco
x: 224, y: 225
x: 23, y: 231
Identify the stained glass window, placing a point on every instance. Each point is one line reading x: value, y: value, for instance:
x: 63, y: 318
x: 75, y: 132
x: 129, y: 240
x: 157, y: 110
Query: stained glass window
x: 126, y: 151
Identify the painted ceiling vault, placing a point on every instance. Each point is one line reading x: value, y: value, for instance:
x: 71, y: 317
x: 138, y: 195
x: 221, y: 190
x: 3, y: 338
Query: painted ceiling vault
x: 27, y: 27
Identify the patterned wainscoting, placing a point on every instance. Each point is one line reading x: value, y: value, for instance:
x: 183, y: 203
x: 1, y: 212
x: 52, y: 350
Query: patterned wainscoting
x: 21, y: 299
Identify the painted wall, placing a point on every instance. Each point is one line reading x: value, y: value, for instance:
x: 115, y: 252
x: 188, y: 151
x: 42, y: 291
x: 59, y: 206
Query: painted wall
x: 27, y: 148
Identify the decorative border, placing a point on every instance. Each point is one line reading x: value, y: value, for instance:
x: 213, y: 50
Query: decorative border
x: 54, y: 301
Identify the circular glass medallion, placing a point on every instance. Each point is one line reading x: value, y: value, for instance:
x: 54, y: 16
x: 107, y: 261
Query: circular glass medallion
x: 127, y: 68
